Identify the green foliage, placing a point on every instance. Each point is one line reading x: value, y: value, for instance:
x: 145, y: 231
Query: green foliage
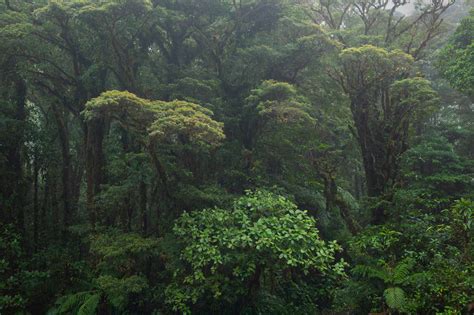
x: 120, y: 263
x: 434, y: 174
x: 279, y: 101
x: 280, y: 129
x: 182, y: 118
x: 90, y: 305
x: 461, y: 215
x: 415, y: 94
x: 456, y: 59
x: 116, y: 248
x: 121, y: 104
x: 374, y: 65
x: 79, y: 303
x: 11, y: 299
x: 118, y: 291
x: 386, y: 101
x: 227, y: 254
x: 395, y: 298
x: 413, y: 271
x: 162, y: 121
x: 140, y: 140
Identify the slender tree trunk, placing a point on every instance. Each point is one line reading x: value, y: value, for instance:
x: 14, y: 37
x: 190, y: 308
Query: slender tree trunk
x: 143, y: 206
x: 333, y: 198
x: 44, y: 205
x: 54, y: 206
x: 66, y: 164
x: 94, y: 164
x: 35, y: 203
x: 14, y: 192
x: 129, y: 209
x: 161, y: 186
x: 358, y: 184
x: 78, y: 173
x: 159, y: 168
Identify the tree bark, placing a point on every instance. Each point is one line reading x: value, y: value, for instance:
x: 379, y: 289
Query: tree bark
x: 14, y: 191
x: 35, y: 203
x: 94, y: 164
x: 66, y: 167
x: 54, y: 206
x: 333, y: 198
x: 44, y: 205
x: 143, y: 206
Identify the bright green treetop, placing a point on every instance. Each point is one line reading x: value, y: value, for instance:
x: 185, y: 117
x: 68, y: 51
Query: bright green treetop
x: 160, y: 121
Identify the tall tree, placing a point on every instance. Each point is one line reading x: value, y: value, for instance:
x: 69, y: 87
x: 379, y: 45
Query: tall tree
x: 154, y: 122
x: 384, y: 102
x: 381, y: 22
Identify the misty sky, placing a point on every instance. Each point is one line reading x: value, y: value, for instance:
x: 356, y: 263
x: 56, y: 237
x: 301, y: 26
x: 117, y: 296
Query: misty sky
x: 406, y: 9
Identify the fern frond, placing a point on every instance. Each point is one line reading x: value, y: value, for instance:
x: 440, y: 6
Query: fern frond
x: 371, y: 272
x: 90, y: 305
x: 395, y: 298
x: 70, y: 303
x: 402, y: 271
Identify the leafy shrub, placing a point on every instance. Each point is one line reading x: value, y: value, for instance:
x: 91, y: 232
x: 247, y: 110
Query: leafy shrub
x: 237, y: 258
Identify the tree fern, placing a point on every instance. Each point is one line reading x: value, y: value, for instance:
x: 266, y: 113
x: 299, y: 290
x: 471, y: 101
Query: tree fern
x: 395, y: 298
x: 90, y: 305
x: 72, y: 302
x: 402, y: 271
x: 372, y: 272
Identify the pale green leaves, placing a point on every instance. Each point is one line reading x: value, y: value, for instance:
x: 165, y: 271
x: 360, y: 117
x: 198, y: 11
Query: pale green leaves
x: 123, y: 106
x: 157, y: 120
x: 280, y: 102
x: 368, y: 67
x: 183, y: 118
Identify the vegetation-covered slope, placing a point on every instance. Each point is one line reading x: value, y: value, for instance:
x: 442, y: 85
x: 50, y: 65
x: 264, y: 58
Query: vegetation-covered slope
x: 236, y: 157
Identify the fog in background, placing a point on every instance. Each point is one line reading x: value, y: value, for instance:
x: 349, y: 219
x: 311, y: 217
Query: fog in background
x: 452, y: 16
x: 407, y: 9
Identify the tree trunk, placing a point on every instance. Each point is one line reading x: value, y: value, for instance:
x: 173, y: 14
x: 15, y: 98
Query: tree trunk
x: 44, y: 206
x: 370, y: 136
x: 35, y: 203
x: 333, y: 198
x: 66, y: 164
x: 77, y: 174
x: 253, y: 286
x: 13, y: 190
x: 54, y: 206
x: 94, y: 164
x: 143, y: 206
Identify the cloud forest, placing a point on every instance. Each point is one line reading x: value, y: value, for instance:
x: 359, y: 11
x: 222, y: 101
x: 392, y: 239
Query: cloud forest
x: 236, y: 157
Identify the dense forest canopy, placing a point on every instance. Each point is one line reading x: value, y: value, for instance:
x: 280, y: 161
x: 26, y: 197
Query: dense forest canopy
x: 236, y: 157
